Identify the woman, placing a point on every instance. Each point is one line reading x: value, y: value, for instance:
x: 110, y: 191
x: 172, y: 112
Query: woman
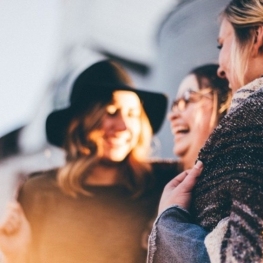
x: 201, y: 102
x: 97, y: 206
x: 229, y: 190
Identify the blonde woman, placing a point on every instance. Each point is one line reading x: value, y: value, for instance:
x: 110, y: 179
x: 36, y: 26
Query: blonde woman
x: 227, y: 199
x: 96, y: 207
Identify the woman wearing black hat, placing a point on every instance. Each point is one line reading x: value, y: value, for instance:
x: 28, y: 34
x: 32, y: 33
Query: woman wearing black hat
x: 96, y: 207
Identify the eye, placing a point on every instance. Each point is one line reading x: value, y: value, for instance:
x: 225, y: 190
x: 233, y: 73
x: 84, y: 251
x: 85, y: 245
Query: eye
x: 134, y: 113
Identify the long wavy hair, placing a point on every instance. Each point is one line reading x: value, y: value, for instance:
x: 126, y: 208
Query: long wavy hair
x: 84, y: 152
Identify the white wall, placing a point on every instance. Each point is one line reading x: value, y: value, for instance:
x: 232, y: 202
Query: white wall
x: 28, y: 48
x: 36, y: 39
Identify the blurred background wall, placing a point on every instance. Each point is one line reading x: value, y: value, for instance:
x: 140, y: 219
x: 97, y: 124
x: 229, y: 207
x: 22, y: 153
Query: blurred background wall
x: 45, y: 43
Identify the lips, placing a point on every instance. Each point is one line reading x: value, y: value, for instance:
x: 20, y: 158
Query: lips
x: 116, y: 141
x: 182, y: 129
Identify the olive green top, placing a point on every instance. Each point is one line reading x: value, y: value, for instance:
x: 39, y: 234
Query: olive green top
x: 108, y: 226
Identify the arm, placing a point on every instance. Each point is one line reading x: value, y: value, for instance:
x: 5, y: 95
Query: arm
x: 238, y: 238
x: 242, y: 236
x: 174, y: 238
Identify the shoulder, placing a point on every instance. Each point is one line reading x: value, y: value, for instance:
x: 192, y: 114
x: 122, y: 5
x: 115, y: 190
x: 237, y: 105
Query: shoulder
x: 241, y: 126
x: 43, y: 178
x: 247, y: 110
x: 38, y: 195
x: 37, y: 185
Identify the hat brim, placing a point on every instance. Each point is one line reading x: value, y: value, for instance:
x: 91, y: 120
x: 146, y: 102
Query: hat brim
x: 154, y: 104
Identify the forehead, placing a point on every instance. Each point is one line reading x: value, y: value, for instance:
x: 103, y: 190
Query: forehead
x: 188, y: 83
x: 226, y: 30
x: 125, y: 99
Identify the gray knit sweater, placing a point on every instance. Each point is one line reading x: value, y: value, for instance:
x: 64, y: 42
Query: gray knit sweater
x: 232, y: 180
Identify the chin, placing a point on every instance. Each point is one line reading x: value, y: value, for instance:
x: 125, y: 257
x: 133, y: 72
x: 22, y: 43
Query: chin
x: 117, y: 160
x: 178, y: 152
x: 116, y: 157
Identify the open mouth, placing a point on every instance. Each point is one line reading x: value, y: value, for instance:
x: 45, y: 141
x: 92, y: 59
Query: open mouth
x: 116, y: 142
x: 180, y: 130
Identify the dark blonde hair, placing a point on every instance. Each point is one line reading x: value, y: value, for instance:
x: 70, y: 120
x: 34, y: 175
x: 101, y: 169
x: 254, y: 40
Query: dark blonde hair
x: 83, y: 153
x: 245, y: 16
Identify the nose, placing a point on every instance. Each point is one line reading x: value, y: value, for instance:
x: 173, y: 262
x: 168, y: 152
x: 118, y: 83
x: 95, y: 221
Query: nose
x: 173, y: 114
x: 120, y: 123
x: 221, y: 73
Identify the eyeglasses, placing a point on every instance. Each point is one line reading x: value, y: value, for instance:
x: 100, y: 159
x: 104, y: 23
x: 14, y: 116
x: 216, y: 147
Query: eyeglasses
x: 190, y: 96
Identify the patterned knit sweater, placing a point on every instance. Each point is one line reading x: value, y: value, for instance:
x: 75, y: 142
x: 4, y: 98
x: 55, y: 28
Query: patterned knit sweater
x: 232, y: 180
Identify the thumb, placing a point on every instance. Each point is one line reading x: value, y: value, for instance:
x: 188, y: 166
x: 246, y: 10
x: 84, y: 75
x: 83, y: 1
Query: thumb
x: 192, y: 177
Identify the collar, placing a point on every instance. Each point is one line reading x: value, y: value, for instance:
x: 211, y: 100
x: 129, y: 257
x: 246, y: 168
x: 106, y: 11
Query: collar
x: 244, y: 92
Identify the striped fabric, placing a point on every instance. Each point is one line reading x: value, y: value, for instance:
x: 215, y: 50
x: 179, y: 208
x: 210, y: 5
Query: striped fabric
x: 232, y: 180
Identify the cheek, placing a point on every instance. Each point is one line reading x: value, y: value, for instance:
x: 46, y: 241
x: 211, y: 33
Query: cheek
x: 105, y: 123
x: 192, y: 115
x: 201, y: 121
x: 223, y: 61
x: 135, y: 128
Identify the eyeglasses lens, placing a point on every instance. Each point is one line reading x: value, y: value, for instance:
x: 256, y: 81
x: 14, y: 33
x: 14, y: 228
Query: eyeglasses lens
x: 189, y: 96
x: 179, y: 104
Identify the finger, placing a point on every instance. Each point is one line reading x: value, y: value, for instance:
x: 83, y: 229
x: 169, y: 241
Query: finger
x: 10, y: 225
x: 178, y: 179
x: 192, y: 177
x: 12, y: 219
x: 10, y: 228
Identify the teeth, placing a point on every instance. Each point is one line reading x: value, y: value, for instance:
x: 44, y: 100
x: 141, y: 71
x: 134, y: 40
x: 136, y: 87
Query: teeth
x: 117, y: 141
x: 180, y: 129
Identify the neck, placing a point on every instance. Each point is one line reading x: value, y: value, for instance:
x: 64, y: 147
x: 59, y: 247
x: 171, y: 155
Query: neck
x: 104, y: 173
x: 188, y: 159
x: 187, y: 164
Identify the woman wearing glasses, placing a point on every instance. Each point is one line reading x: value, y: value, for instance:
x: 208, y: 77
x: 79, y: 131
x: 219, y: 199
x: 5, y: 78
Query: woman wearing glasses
x: 226, y: 202
x: 202, y: 100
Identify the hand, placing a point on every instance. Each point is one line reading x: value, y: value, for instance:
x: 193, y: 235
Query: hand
x: 179, y: 190
x: 15, y: 234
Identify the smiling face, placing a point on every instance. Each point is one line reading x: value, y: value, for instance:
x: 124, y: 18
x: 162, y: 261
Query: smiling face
x: 191, y: 126
x: 121, y: 126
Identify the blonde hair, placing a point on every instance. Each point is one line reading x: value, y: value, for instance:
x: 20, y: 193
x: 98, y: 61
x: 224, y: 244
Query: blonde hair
x: 220, y: 108
x: 83, y: 153
x: 245, y: 16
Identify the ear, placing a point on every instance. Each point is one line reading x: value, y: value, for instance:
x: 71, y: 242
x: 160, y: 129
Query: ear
x: 258, y: 41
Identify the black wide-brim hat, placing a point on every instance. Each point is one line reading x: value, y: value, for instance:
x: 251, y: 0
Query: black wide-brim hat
x: 86, y: 92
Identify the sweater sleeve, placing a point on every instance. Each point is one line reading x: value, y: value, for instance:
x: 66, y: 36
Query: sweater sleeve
x: 237, y: 238
x: 243, y: 240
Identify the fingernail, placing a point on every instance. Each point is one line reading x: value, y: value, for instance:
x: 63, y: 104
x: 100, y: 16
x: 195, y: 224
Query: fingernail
x: 199, y: 165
